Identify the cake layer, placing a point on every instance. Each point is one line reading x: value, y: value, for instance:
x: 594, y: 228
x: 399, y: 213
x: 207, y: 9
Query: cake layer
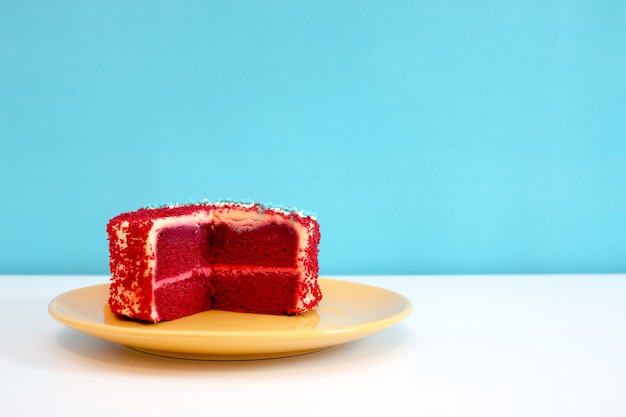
x: 184, y: 297
x: 273, y: 244
x: 256, y: 291
x: 182, y: 248
x: 169, y: 262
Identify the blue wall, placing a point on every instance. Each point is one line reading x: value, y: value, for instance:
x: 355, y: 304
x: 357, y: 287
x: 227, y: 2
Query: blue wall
x: 428, y: 136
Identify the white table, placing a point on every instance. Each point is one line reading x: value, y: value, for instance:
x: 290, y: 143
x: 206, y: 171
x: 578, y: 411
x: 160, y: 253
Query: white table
x: 541, y: 345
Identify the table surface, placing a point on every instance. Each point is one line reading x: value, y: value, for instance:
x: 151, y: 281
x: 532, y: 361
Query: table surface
x: 536, y: 345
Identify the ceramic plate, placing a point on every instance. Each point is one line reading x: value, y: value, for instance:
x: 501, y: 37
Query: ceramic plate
x: 348, y: 311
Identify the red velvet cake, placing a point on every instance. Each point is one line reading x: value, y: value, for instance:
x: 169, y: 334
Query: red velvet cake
x: 174, y: 261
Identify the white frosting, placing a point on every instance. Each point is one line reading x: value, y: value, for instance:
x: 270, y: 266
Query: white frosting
x: 121, y: 232
x: 242, y: 205
x: 308, y: 278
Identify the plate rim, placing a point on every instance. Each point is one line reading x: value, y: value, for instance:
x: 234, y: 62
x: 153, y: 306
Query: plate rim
x: 352, y: 332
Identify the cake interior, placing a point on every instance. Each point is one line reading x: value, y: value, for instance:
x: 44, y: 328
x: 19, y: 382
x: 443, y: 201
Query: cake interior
x: 183, y: 270
x: 226, y: 266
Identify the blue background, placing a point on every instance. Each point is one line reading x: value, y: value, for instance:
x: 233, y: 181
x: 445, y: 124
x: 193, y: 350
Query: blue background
x: 428, y: 136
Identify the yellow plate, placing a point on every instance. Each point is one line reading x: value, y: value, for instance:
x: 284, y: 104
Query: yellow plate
x: 348, y: 311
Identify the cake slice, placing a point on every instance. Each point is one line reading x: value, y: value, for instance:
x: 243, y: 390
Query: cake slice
x: 265, y: 260
x: 174, y: 261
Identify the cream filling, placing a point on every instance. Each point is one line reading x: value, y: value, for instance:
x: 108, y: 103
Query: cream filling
x: 182, y: 277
